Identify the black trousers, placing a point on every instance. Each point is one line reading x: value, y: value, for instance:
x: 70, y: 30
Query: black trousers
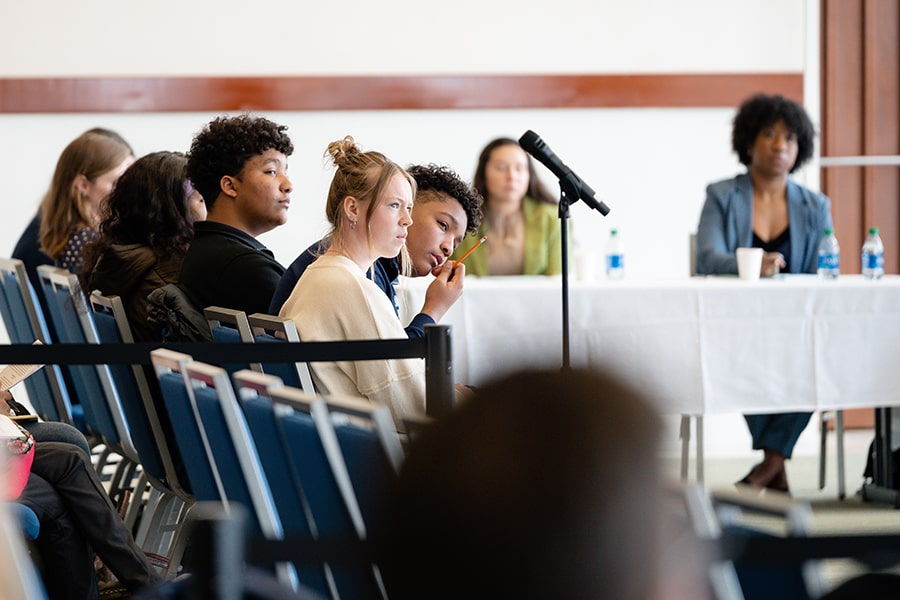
x: 77, y: 516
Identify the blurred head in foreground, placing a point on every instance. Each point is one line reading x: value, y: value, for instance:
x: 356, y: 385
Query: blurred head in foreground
x: 544, y: 485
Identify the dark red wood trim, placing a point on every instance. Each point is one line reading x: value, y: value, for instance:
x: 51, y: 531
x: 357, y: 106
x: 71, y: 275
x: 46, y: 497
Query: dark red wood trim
x: 881, y: 118
x: 221, y: 94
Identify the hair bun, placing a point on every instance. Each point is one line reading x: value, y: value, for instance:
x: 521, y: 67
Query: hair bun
x: 342, y: 149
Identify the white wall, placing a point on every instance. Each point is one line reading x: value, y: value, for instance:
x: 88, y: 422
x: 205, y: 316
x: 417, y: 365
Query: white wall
x: 232, y: 37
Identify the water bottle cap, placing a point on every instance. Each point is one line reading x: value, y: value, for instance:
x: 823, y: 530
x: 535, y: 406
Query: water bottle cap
x: 829, y: 231
x: 873, y: 230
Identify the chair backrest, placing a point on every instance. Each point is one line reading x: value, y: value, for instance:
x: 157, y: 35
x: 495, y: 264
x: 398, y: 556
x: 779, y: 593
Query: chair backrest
x: 268, y: 328
x: 150, y: 431
x: 372, y: 452
x: 230, y: 326
x: 73, y: 323
x: 690, y: 502
x: 193, y: 445
x: 227, y: 324
x: 253, y: 395
x: 296, y: 517
x: 316, y: 460
x: 234, y: 455
x: 742, y: 517
x: 25, y: 323
x: 233, y: 452
x: 739, y: 517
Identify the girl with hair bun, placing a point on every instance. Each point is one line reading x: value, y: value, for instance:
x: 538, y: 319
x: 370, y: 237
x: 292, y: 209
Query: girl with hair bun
x: 369, y: 207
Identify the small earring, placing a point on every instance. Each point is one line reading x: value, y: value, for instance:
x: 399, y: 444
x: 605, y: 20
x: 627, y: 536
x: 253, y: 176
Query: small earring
x: 352, y: 223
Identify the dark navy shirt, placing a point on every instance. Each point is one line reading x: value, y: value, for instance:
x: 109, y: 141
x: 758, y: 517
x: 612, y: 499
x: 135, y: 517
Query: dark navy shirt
x: 385, y: 273
x: 28, y: 250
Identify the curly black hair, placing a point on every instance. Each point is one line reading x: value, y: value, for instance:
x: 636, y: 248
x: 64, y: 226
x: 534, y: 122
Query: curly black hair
x: 432, y: 177
x: 225, y: 145
x: 760, y: 111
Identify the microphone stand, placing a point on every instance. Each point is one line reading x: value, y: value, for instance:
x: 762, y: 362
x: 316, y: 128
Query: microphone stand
x: 567, y: 195
x: 571, y: 189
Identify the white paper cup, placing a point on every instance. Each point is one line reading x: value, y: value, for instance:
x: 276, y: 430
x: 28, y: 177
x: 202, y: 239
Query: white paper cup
x: 749, y: 261
x: 585, y: 265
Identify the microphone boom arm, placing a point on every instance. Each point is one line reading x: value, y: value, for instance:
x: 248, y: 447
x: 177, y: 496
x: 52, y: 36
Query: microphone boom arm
x: 572, y: 184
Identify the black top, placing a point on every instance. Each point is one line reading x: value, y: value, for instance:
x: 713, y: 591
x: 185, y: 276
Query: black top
x: 28, y: 250
x: 227, y: 267
x: 782, y: 244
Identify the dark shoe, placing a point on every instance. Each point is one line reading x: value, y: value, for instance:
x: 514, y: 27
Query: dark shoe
x: 779, y: 483
x: 746, y: 480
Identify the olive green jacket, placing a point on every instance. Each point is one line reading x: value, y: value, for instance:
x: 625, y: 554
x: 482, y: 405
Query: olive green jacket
x: 543, y: 253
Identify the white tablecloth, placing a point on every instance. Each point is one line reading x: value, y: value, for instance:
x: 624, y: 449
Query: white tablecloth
x: 700, y: 345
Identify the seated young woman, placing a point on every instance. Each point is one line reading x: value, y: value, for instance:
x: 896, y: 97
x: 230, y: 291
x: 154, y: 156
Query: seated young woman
x: 369, y: 207
x: 144, y: 234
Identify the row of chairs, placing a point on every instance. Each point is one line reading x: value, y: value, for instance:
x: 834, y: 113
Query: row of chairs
x: 196, y: 432
x: 762, y: 547
x: 303, y: 466
x: 112, y: 405
x: 728, y: 518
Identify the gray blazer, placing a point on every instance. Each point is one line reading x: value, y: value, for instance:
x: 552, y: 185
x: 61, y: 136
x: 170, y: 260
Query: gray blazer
x: 726, y: 223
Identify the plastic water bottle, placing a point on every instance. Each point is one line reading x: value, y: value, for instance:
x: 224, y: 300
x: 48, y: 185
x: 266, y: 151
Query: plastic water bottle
x: 873, y: 255
x: 829, y: 256
x: 615, y: 256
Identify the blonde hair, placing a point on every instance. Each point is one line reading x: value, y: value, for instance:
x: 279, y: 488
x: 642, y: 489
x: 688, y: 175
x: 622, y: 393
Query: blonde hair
x: 63, y: 208
x: 362, y: 175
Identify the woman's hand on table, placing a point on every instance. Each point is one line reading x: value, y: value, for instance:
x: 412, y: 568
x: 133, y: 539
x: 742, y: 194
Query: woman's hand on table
x: 772, y: 263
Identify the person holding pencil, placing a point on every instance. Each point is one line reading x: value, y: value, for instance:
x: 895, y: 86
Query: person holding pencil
x: 369, y: 206
x: 521, y: 217
x: 445, y: 211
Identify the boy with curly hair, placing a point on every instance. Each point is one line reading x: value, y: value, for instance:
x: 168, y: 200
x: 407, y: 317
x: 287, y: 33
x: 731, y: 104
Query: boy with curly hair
x: 239, y: 166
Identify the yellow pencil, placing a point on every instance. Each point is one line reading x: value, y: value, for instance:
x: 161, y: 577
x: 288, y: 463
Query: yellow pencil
x: 470, y: 251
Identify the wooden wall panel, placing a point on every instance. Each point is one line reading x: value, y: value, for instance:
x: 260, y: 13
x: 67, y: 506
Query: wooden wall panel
x: 881, y: 117
x: 842, y: 127
x: 861, y: 117
x: 844, y: 186
x: 221, y: 94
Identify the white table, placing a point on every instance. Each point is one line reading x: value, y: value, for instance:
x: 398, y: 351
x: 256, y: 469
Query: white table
x: 697, y: 346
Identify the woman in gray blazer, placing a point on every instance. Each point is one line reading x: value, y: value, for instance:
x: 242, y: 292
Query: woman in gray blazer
x: 763, y: 208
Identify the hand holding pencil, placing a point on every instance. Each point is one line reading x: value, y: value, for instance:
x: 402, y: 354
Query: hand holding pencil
x: 447, y: 286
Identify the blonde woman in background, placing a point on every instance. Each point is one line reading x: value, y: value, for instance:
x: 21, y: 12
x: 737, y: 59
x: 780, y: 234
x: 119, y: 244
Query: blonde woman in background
x: 28, y: 246
x: 70, y: 211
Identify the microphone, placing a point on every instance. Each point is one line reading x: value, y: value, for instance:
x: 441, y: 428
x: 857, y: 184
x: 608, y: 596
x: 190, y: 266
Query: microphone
x: 535, y: 146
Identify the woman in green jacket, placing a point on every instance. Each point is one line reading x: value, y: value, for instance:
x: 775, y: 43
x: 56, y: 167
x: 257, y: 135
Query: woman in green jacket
x: 521, y: 217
